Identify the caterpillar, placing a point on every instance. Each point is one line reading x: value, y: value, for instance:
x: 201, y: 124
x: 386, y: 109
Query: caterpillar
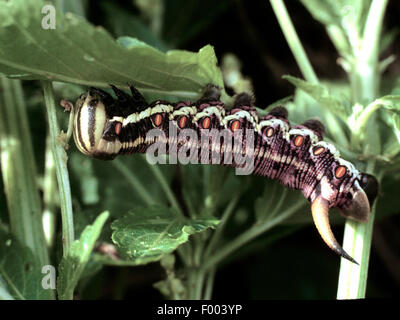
x: 296, y: 156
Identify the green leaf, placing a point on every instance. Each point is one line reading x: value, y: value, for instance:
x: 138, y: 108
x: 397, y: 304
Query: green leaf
x: 129, y: 24
x: 390, y: 102
x: 396, y: 126
x: 72, y: 266
x: 20, y: 272
x: 326, y: 12
x: 146, y: 235
x: 305, y: 107
x: 83, y: 167
x: 78, y: 52
x: 344, y: 20
x: 321, y: 94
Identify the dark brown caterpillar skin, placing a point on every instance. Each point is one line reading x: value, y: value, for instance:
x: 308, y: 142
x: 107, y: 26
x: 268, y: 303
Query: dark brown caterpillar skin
x: 296, y: 156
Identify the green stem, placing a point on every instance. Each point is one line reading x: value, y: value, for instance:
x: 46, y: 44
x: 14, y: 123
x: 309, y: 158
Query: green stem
x: 301, y: 58
x: 11, y: 285
x: 224, y: 219
x: 60, y: 159
x: 184, y: 250
x: 293, y: 40
x: 357, y: 236
x: 134, y: 181
x: 249, y: 235
x: 358, y: 128
x: 50, y: 195
x: 373, y: 29
x: 209, y: 284
x: 365, y: 73
x: 166, y: 187
x: 19, y: 171
x: 199, y: 284
x: 4, y: 294
x: 353, y: 279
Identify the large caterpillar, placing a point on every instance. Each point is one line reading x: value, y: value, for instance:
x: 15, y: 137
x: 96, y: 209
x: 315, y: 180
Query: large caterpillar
x: 296, y: 156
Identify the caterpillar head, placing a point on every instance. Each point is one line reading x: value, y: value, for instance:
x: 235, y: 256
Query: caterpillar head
x: 365, y: 192
x: 353, y: 198
x: 94, y: 133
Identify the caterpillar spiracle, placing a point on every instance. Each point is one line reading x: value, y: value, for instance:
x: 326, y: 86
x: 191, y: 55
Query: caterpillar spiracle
x: 296, y: 156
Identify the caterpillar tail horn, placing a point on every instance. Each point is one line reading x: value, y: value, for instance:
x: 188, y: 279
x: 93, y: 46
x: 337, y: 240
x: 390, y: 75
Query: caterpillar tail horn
x: 320, y: 213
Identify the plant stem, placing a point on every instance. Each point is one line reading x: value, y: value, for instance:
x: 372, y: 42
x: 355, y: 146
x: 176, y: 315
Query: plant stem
x: 300, y: 56
x: 166, y: 187
x: 366, y: 67
x: 358, y: 128
x: 60, y: 159
x: 134, y: 181
x: 209, y: 284
x: 357, y: 236
x: 199, y: 284
x: 353, y: 279
x: 224, y: 218
x: 4, y: 294
x: 19, y: 171
x: 184, y: 250
x: 249, y: 235
x: 49, y: 195
x: 293, y: 40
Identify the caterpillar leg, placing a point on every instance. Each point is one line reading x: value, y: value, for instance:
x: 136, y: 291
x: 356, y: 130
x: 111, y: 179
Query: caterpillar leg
x: 127, y: 104
x: 279, y: 112
x: 104, y: 96
x: 137, y: 98
x: 211, y: 92
x: 243, y: 99
x: 316, y: 126
x: 122, y: 96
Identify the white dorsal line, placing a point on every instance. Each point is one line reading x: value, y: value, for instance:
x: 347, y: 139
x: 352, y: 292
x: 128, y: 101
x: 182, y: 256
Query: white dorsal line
x: 274, y: 123
x: 183, y: 111
x: 118, y: 119
x: 137, y: 116
x: 238, y: 115
x: 219, y: 112
x: 305, y: 132
x: 158, y: 108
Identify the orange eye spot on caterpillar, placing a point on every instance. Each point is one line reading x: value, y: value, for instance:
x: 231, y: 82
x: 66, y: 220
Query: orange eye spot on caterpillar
x: 118, y: 128
x: 340, y: 172
x: 158, y: 120
x: 182, y: 122
x: 318, y: 150
x: 206, y: 122
x: 235, y: 125
x: 268, y: 132
x: 298, y: 140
